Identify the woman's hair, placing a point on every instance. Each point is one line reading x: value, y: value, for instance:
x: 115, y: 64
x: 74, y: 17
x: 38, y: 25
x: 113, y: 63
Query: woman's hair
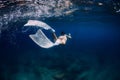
x: 62, y: 33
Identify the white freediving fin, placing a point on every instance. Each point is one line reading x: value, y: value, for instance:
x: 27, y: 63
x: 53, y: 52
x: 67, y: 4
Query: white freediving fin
x: 40, y: 39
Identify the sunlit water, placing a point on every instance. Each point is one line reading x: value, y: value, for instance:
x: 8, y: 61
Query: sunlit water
x: 91, y: 54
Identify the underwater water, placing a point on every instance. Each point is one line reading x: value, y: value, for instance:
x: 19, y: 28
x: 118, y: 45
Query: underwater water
x: 93, y: 53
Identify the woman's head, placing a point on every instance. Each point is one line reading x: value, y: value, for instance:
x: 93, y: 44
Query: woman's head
x: 62, y: 33
x: 68, y: 36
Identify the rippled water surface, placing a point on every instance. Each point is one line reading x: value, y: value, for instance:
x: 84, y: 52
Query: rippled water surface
x: 92, y: 53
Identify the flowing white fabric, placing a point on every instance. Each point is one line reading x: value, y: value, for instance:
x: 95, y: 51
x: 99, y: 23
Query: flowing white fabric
x: 39, y: 24
x: 40, y: 39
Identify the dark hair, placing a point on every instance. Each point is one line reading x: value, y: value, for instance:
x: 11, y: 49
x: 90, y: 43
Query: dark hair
x: 62, y: 33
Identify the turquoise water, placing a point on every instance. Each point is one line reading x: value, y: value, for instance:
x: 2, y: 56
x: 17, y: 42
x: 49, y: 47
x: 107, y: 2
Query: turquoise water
x: 91, y: 54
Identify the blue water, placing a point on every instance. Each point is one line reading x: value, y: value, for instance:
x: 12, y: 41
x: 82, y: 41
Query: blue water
x: 92, y: 53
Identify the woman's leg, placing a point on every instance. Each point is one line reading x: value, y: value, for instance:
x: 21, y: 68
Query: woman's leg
x: 54, y: 36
